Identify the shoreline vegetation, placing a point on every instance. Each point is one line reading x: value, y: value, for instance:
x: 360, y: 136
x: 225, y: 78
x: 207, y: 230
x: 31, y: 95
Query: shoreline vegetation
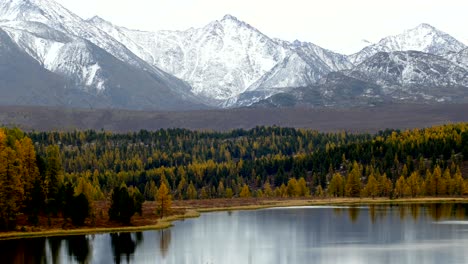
x: 194, y: 208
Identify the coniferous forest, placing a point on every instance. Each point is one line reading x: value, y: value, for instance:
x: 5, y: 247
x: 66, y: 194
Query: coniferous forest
x: 49, y: 173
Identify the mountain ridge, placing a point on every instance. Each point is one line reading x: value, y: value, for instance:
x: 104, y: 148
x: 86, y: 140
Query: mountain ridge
x: 66, y: 45
x: 424, y: 38
x: 227, y: 63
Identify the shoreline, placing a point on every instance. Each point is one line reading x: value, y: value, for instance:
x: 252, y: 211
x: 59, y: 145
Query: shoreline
x: 198, y: 209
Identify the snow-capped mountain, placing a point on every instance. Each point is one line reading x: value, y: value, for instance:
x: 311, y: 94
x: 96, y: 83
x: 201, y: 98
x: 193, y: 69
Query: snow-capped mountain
x: 228, y: 57
x: 55, y: 16
x: 408, y: 76
x: 406, y: 68
x: 334, y: 61
x: 402, y: 76
x: 89, y: 59
x: 414, y: 75
x: 305, y: 64
x: 227, y: 63
x: 219, y: 60
x: 424, y: 38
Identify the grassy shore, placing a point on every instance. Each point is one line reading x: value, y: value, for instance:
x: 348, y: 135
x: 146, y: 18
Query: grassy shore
x: 161, y: 224
x: 192, y: 209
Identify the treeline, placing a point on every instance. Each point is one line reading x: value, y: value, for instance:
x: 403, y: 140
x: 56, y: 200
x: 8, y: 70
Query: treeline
x: 261, y: 162
x: 195, y: 164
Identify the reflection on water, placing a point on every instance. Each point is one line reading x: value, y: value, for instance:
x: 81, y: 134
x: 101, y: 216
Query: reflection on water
x: 353, y: 213
x: 164, y: 241
x: 414, y: 208
x: 372, y: 213
x: 124, y: 245
x: 432, y: 233
x: 78, y: 247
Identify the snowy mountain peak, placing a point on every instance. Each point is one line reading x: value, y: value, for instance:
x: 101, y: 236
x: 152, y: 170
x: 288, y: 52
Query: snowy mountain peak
x: 219, y: 60
x: 230, y: 21
x: 297, y: 43
x: 422, y: 30
x: 425, y: 26
x: 44, y: 11
x: 98, y: 20
x: 228, y: 17
x: 424, y: 38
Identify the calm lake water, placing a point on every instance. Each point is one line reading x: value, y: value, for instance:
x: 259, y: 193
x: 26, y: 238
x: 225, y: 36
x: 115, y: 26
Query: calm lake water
x: 436, y: 233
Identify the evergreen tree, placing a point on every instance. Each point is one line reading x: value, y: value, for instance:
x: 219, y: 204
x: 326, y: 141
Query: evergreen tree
x: 268, y: 192
x: 122, y: 205
x: 293, y: 188
x: 221, y: 191
x: 151, y: 191
x: 385, y: 186
x: 458, y: 183
x: 353, y: 182
x: 164, y: 201
x: 29, y: 171
x: 53, y: 179
x: 336, y: 186
x: 191, y: 192
x: 304, y: 191
x: 11, y: 188
x: 245, y: 193
x: 414, y: 183
x: 401, y: 188
x: 229, y: 193
x: 81, y: 209
x: 372, y: 187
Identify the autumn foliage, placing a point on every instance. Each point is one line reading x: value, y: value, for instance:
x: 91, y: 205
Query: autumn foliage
x: 40, y: 172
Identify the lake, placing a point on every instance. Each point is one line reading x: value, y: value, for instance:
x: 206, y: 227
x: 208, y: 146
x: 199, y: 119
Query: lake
x: 433, y: 233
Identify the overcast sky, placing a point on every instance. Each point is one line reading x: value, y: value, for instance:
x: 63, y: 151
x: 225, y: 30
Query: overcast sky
x: 339, y: 25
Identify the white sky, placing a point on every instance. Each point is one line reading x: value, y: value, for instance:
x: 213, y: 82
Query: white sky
x: 339, y: 25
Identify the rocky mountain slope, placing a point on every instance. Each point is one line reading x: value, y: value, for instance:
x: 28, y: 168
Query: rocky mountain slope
x: 228, y: 57
x: 96, y: 66
x: 460, y: 58
x: 40, y: 87
x: 227, y: 63
x: 219, y: 60
x: 401, y: 76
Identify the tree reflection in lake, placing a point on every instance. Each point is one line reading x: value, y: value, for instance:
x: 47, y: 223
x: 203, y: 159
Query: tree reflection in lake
x: 440, y: 211
x: 338, y: 211
x: 412, y: 233
x: 79, y: 248
x: 402, y: 212
x: 461, y: 211
x: 436, y: 211
x: 372, y: 213
x: 164, y: 241
x: 123, y: 245
x: 414, y: 209
x: 34, y: 253
x: 55, y: 243
x: 23, y: 251
x: 353, y: 213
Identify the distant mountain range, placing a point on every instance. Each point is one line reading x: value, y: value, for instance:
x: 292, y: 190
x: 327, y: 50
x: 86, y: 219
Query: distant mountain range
x: 50, y: 56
